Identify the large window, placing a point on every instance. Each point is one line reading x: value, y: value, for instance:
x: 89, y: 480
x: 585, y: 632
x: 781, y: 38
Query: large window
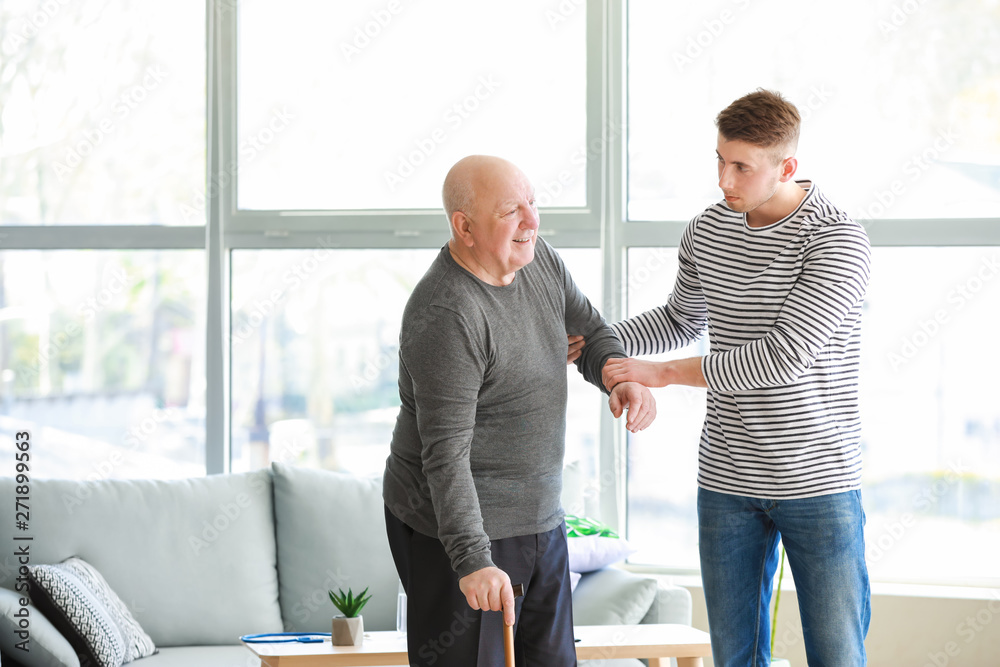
x: 204, y: 260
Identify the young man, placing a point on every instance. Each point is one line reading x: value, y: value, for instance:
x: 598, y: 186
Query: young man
x: 777, y: 274
x: 473, y: 479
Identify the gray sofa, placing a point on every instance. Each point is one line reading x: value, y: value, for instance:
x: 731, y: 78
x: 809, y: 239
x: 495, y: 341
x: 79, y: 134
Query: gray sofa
x: 200, y: 562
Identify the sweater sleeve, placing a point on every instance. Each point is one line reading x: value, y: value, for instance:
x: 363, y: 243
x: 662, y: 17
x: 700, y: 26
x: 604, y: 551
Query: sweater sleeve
x: 678, y: 323
x: 447, y: 363
x: 834, y: 278
x: 600, y: 342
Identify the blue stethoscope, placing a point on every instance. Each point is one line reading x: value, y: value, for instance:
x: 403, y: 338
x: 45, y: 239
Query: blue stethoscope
x: 285, y: 638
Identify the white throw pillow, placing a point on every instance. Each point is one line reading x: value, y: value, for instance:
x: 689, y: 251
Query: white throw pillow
x: 44, y: 647
x: 593, y: 545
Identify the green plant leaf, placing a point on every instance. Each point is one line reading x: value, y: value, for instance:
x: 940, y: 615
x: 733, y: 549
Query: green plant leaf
x: 349, y: 605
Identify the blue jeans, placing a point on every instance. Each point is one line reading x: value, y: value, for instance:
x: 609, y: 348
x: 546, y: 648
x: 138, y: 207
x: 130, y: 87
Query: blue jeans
x: 825, y: 548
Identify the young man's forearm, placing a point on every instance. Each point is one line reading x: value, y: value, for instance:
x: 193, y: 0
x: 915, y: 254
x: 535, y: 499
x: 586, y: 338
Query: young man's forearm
x: 685, y: 372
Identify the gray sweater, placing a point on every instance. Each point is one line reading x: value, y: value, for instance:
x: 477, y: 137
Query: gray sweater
x: 477, y: 451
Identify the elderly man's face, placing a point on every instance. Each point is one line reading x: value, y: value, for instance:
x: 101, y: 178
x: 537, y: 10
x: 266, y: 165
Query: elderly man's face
x: 505, y: 225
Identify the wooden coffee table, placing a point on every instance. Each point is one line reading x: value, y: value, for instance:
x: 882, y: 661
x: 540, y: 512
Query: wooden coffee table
x: 657, y: 643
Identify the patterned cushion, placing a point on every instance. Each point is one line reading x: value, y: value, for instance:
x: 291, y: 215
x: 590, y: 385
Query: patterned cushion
x: 81, y: 605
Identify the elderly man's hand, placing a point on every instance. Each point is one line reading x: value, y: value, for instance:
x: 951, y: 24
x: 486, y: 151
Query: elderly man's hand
x: 639, y: 402
x: 489, y: 589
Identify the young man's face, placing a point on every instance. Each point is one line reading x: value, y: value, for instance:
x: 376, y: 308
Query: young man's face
x: 747, y: 174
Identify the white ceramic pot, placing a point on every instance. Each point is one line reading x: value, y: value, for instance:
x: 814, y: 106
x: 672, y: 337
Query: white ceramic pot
x: 347, y: 631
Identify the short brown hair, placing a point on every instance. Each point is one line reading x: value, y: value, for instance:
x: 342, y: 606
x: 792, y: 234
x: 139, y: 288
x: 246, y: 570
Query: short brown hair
x: 762, y: 118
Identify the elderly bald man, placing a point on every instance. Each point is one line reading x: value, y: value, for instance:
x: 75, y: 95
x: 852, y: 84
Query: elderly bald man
x: 473, y: 480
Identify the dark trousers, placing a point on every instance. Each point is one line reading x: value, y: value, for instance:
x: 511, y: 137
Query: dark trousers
x: 444, y: 631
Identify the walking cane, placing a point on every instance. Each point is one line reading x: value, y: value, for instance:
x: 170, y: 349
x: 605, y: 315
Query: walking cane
x: 508, y: 632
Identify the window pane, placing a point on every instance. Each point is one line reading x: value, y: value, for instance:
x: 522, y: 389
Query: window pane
x: 899, y: 123
x: 931, y: 414
x: 367, y: 105
x: 585, y: 401
x: 930, y: 410
x: 103, y: 361
x: 103, y: 112
x: 315, y: 338
x: 663, y: 459
x: 315, y: 342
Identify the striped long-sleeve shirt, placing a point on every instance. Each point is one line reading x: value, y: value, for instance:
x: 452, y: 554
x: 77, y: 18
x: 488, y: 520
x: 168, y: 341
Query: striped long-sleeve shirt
x: 782, y: 305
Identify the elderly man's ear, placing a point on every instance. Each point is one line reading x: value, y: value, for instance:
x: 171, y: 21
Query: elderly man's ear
x: 460, y: 228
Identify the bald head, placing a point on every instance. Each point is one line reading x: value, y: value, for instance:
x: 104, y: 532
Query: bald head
x: 469, y: 177
x: 493, y: 216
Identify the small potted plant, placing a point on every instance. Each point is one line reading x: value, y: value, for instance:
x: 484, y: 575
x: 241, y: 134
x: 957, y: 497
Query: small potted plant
x: 348, y: 628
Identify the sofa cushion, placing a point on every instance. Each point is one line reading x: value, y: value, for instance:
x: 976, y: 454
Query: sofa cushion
x: 331, y: 534
x: 46, y: 647
x: 194, y: 559
x: 81, y: 605
x: 612, y: 596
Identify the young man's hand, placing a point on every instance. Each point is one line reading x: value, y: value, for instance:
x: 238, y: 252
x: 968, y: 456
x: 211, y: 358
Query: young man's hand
x: 686, y: 372
x: 575, y: 348
x: 637, y: 400
x: 647, y: 373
